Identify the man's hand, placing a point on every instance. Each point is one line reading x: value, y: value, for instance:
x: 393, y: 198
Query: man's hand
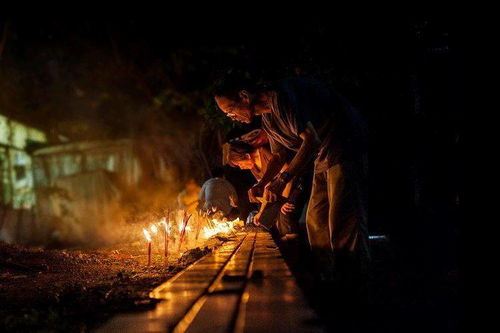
x: 210, y: 209
x: 257, y: 191
x: 256, y: 220
x: 288, y: 207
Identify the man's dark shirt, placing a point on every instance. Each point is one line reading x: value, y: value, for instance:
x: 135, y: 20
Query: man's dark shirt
x: 299, y: 101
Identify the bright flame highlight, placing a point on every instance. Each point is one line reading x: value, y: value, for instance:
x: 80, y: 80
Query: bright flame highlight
x: 219, y: 227
x: 147, y: 235
x: 166, y: 225
x: 208, y: 228
x: 188, y: 227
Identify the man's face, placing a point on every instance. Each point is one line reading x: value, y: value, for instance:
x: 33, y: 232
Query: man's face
x: 240, y: 110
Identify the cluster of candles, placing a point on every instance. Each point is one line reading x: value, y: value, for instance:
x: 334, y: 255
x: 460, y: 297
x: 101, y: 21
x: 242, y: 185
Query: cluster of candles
x: 219, y: 227
x: 154, y: 230
x: 164, y: 228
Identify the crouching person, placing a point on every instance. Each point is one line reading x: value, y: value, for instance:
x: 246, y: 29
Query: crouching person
x: 282, y: 215
x: 218, y: 197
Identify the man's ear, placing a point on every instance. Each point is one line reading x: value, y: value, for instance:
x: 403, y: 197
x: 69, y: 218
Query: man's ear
x: 244, y: 96
x: 247, y: 156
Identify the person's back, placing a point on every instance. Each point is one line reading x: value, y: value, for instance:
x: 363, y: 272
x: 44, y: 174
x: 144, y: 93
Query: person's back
x: 217, y: 194
x: 340, y: 127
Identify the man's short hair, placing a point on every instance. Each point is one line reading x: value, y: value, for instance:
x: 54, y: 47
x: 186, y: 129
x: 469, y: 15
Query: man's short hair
x: 232, y: 82
x: 237, y: 151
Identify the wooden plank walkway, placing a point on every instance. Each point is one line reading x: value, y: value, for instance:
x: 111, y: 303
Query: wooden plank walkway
x: 244, y: 286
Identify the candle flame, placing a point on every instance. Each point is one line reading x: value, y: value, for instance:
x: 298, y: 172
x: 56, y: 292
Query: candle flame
x: 166, y: 225
x: 186, y: 228
x: 219, y: 227
x: 205, y: 227
x: 147, y: 235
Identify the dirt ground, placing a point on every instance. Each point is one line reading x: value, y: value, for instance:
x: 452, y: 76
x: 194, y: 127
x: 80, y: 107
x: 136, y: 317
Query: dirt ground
x: 76, y: 290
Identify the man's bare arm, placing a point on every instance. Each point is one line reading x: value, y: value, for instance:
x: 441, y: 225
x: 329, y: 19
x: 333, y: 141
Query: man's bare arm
x: 307, y: 152
x: 273, y: 168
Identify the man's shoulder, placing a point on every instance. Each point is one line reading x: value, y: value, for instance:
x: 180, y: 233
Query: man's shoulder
x: 301, y: 83
x: 300, y: 90
x: 308, y: 93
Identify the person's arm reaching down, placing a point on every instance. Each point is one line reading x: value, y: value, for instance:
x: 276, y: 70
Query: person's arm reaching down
x: 273, y: 168
x: 307, y: 151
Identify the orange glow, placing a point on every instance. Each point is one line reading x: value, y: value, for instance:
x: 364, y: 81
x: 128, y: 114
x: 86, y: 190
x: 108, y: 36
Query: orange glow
x: 220, y: 227
x: 165, y: 225
x: 147, y: 235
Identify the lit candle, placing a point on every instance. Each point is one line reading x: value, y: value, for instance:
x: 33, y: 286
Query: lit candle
x: 154, y: 230
x: 148, y: 238
x: 166, y: 234
x: 184, y: 228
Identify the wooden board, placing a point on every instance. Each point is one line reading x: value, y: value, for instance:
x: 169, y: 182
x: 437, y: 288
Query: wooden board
x: 244, y: 286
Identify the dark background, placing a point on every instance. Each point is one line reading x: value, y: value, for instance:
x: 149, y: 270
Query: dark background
x: 115, y: 78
